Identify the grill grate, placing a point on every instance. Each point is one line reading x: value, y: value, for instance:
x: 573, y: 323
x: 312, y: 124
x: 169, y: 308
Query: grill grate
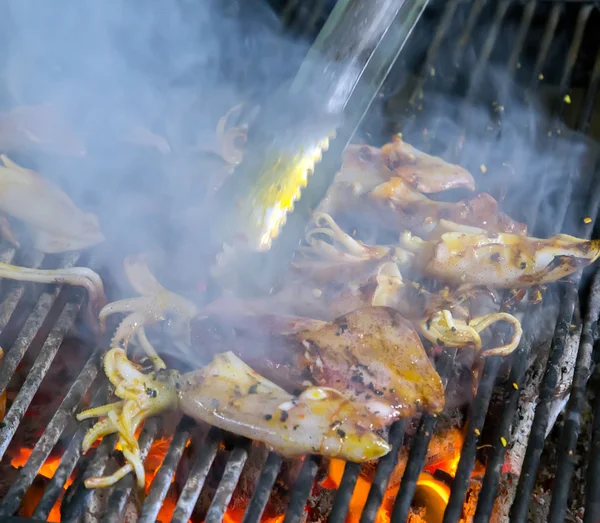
x: 466, y: 56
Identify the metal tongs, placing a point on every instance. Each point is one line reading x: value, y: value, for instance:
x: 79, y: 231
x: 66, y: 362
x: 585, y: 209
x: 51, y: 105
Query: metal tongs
x: 295, y: 145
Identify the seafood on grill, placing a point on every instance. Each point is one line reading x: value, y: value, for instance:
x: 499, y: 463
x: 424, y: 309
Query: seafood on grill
x: 372, y: 355
x: 367, y: 167
x: 457, y: 254
x: 230, y: 395
x: 395, y: 206
x: 154, y: 305
x: 77, y: 276
x: 41, y: 127
x: 56, y: 224
x: 499, y: 260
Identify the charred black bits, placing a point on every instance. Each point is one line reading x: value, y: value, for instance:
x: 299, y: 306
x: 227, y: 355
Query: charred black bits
x: 284, y: 415
x: 151, y: 393
x: 341, y: 433
x: 268, y: 417
x: 495, y: 257
x: 253, y: 388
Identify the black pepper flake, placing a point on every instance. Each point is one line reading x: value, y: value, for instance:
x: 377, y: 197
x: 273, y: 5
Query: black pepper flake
x: 392, y: 391
x: 335, y: 425
x: 378, y: 392
x: 151, y: 392
x: 453, y: 329
x: 268, y: 417
x: 253, y: 388
x: 296, y: 427
x: 523, y: 265
x: 284, y: 415
x: 495, y: 257
x: 341, y: 433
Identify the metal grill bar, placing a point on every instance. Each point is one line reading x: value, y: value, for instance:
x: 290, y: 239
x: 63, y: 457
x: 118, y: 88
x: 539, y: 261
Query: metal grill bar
x: 382, y: 474
x: 302, y: 488
x: 46, y: 443
x: 476, y: 419
x: 78, y: 497
x: 195, y: 481
x: 231, y: 475
x: 570, y: 431
x: 262, y: 491
x: 162, y: 480
x: 120, y: 495
x: 67, y: 463
x: 341, y: 505
x: 29, y: 330
x: 418, y: 449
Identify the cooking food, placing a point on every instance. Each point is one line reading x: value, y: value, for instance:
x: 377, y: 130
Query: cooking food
x: 155, y: 304
x: 230, y: 395
x: 372, y: 355
x: 334, y: 352
x: 78, y: 276
x: 56, y: 224
x: 43, y: 127
x: 369, y: 166
x: 501, y: 260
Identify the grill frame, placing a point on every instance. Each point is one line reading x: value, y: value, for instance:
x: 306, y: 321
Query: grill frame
x: 208, y: 443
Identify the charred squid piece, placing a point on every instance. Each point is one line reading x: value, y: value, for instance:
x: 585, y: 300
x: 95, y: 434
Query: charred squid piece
x: 399, y: 207
x: 426, y: 173
x: 230, y: 395
x: 442, y: 329
x: 376, y: 356
x: 366, y: 167
x: 56, y: 224
x: 77, y: 276
x: 343, y: 248
x: 155, y: 305
x: 436, y: 323
x: 500, y: 260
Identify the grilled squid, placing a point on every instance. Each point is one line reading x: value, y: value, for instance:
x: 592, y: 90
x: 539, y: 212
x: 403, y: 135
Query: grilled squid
x: 56, y: 224
x: 500, y: 260
x: 77, y: 276
x: 154, y: 305
x: 440, y: 326
x: 230, y: 395
x: 367, y: 166
x: 342, y: 248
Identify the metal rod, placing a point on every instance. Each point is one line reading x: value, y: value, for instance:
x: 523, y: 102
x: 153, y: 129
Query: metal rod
x: 67, y: 463
x: 162, y: 480
x: 302, y: 488
x: 229, y: 480
x: 518, y: 511
x: 118, y: 499
x: 263, y: 488
x: 476, y: 419
x: 45, y: 444
x: 341, y: 504
x: 38, y: 371
x: 195, y: 481
x: 572, y: 423
x: 382, y: 474
x: 418, y: 449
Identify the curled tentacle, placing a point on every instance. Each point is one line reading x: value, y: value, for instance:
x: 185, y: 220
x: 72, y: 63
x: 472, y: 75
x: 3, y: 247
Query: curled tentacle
x: 441, y: 328
x: 77, y: 276
x: 142, y: 396
x: 154, y: 306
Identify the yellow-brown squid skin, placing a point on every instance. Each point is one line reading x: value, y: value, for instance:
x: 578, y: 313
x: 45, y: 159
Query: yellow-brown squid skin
x: 230, y: 395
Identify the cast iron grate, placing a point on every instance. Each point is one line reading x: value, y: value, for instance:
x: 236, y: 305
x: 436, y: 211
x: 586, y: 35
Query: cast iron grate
x: 537, y: 27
